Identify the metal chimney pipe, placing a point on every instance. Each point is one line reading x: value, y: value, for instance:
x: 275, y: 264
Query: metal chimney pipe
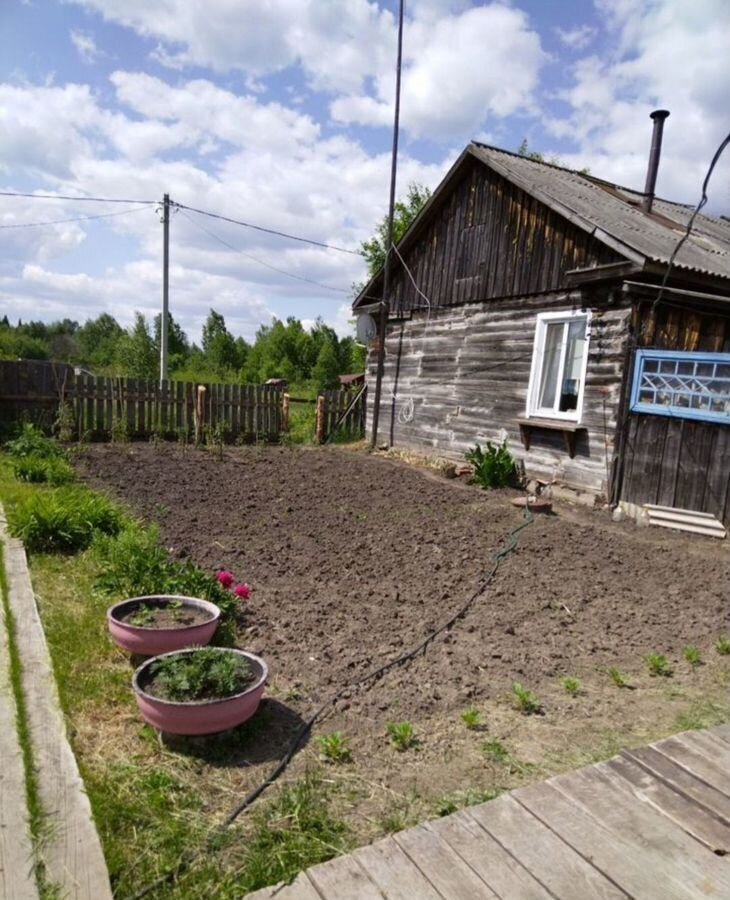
x: 659, y: 115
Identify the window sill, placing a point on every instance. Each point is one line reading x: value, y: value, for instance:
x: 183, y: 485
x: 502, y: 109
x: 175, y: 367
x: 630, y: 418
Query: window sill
x: 568, y: 428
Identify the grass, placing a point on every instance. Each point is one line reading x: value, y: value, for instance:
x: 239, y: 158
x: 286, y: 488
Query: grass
x: 571, y: 686
x: 495, y: 751
x: 402, y: 735
x: 334, y: 748
x: 723, y: 645
x: 658, y: 665
x: 692, y: 655
x: 526, y: 701
x: 472, y: 718
x: 618, y: 678
x: 42, y: 470
x: 63, y: 520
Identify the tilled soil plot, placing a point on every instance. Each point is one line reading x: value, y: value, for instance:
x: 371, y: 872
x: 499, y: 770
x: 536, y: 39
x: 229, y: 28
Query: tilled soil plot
x: 355, y: 558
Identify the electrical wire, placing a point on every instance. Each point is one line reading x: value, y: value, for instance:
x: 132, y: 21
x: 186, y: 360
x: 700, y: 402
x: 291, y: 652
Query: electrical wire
x: 368, y: 679
x: 283, y: 234
x: 123, y: 212
x: 690, y: 224
x: 68, y: 197
x: 261, y: 261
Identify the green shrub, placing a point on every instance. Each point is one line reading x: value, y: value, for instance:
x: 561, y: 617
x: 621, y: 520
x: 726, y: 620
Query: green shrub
x: 43, y: 470
x: 494, y: 467
x: 402, y: 735
x: 334, y: 748
x: 658, y: 665
x: 64, y: 520
x: 32, y: 442
x: 135, y: 564
x: 205, y: 674
x: 571, y: 685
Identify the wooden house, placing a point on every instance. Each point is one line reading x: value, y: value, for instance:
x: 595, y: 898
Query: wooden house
x: 523, y: 307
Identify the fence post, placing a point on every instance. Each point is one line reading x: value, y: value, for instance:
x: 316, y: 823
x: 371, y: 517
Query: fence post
x: 285, y: 412
x: 199, y: 414
x: 319, y: 430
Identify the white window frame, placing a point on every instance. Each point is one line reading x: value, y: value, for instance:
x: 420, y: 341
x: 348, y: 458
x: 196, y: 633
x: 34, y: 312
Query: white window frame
x: 538, y: 352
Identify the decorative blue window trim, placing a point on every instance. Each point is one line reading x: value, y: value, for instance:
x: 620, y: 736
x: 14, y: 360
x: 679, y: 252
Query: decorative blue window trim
x: 683, y: 384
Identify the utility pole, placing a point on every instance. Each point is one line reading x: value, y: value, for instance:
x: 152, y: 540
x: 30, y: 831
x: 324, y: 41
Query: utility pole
x: 385, y: 305
x: 165, y: 286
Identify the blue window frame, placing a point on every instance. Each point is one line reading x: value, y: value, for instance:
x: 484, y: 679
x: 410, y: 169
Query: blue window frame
x: 687, y: 385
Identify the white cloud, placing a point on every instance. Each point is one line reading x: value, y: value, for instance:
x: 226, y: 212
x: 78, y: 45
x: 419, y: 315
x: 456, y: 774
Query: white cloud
x: 86, y: 46
x: 451, y: 83
x: 668, y: 54
x: 577, y: 38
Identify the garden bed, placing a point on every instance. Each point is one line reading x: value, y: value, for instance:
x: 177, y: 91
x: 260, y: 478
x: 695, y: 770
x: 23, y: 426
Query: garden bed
x: 353, y: 559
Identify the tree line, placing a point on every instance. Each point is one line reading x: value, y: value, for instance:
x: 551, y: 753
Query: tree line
x: 280, y: 350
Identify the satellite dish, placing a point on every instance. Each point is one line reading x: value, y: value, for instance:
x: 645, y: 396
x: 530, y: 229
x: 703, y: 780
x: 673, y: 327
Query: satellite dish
x: 366, y: 328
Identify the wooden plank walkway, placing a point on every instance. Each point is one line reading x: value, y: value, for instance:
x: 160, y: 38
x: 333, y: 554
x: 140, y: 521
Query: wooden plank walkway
x: 650, y: 824
x: 71, y: 849
x: 17, y: 876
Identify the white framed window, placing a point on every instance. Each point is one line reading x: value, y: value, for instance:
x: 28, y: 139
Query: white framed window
x: 559, y: 362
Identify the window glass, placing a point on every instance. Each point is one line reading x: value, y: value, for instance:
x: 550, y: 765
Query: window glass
x: 573, y: 366
x: 551, y: 364
x: 689, y: 384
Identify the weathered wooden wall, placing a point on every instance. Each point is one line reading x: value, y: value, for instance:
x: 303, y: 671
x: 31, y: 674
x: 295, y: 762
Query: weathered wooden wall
x: 668, y: 460
x: 461, y: 375
x: 490, y: 239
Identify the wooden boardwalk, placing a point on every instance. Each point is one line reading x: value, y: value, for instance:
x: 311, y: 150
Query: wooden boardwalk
x: 650, y: 824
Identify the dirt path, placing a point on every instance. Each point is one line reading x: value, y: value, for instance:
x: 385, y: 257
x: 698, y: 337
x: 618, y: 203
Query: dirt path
x: 354, y: 558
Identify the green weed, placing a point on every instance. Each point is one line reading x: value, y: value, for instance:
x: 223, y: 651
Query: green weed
x: 472, y: 718
x: 618, y: 678
x: 571, y: 686
x: 63, y: 520
x: 658, y: 665
x: 334, y: 748
x: 494, y: 467
x: 32, y: 442
x: 495, y: 751
x: 402, y: 735
x: 723, y: 645
x: 526, y: 701
x: 43, y: 470
x: 692, y: 655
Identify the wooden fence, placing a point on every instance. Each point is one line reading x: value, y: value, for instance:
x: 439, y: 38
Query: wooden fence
x: 98, y: 408
x: 345, y: 409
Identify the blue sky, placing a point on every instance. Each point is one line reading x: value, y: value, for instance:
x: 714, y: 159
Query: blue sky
x: 279, y: 113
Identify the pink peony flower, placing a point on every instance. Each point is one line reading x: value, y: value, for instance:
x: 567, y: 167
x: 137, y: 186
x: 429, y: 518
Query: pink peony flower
x: 225, y: 578
x: 243, y: 591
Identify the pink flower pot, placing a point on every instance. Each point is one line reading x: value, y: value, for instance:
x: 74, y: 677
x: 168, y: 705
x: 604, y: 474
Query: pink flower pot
x: 147, y: 640
x: 200, y: 716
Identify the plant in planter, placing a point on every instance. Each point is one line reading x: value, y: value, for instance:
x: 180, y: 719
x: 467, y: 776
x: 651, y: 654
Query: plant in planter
x: 161, y: 623
x: 200, y: 691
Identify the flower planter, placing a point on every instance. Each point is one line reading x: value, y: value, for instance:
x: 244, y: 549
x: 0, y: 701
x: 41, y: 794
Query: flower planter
x: 193, y: 717
x: 152, y: 639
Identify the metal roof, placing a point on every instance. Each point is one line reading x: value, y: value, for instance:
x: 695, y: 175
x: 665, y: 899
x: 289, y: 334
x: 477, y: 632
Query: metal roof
x: 613, y: 213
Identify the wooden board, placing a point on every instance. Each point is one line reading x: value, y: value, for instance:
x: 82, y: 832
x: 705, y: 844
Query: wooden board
x: 684, y: 812
x: 442, y: 866
x: 72, y: 852
x: 698, y: 761
x: 343, y: 878
x: 494, y: 865
x: 646, y: 854
x: 394, y: 873
x: 17, y: 879
x: 300, y: 889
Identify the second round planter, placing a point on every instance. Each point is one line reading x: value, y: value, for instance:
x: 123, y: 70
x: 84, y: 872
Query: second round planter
x: 161, y: 623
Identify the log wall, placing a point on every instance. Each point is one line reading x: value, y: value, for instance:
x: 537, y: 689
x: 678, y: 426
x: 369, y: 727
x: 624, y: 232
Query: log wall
x: 461, y: 375
x: 489, y: 239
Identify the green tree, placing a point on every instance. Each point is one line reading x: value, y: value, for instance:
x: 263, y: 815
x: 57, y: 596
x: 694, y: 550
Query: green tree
x: 178, y: 345
x: 404, y: 213
x: 135, y: 353
x: 219, y: 345
x: 97, y: 339
x: 327, y: 368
